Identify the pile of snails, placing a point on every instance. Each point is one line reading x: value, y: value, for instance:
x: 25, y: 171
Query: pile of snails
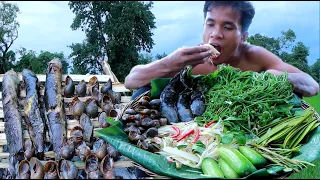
x: 142, y: 122
x: 103, y: 97
x: 98, y: 156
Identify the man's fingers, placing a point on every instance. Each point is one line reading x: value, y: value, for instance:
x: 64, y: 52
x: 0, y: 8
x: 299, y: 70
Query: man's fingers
x: 195, y: 49
x: 199, y: 56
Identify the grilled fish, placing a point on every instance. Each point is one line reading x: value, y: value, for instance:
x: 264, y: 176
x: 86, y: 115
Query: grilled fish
x: 13, y: 121
x: 32, y: 112
x: 54, y: 105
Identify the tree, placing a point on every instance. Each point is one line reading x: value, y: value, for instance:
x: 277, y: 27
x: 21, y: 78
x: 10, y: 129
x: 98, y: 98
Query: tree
x: 315, y: 70
x: 26, y: 60
x: 144, y: 58
x: 298, y: 57
x: 45, y: 57
x: 38, y: 64
x: 8, y: 32
x: 160, y: 56
x: 284, y: 48
x: 115, y: 30
x: 271, y: 44
x: 147, y: 58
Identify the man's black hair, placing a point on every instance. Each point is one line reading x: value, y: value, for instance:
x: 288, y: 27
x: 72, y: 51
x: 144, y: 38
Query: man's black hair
x: 245, y: 8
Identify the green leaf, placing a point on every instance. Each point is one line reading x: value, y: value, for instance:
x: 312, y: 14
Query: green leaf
x: 240, y: 139
x: 227, y: 138
x: 311, y: 150
x: 241, y: 132
x: 112, y: 122
x: 298, y: 112
x: 295, y: 101
x: 181, y: 146
x: 287, y: 169
x: 231, y: 118
x: 115, y: 132
x: 157, y: 86
x: 198, y: 147
x: 274, y: 170
x: 285, y: 108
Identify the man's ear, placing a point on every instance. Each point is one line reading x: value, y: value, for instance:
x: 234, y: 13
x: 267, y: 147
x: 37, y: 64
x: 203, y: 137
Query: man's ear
x: 244, y: 36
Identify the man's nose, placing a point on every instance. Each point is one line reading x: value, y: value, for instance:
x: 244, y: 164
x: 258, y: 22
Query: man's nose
x: 216, y: 34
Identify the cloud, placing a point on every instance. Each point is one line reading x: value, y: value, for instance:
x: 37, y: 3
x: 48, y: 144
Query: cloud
x: 45, y: 25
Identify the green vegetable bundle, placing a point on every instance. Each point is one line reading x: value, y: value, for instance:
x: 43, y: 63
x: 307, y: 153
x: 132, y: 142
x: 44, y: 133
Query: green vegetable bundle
x: 252, y: 99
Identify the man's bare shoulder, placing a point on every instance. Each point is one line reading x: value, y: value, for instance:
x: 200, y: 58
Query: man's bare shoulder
x: 252, y: 51
x: 257, y: 57
x: 255, y: 53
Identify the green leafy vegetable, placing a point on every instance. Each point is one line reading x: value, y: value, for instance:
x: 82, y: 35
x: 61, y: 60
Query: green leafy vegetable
x: 253, y: 99
x: 198, y: 147
x: 181, y: 146
x: 227, y: 138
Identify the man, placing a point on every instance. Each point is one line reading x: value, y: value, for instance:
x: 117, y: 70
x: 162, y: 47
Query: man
x: 226, y: 28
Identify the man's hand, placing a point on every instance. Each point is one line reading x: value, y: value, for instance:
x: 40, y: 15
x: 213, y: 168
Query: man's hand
x: 168, y: 66
x: 187, y: 56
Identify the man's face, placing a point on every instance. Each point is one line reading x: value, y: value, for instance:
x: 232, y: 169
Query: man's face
x: 223, y: 30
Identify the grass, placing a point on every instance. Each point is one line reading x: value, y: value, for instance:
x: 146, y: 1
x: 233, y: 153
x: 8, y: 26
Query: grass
x: 314, y: 102
x: 311, y: 172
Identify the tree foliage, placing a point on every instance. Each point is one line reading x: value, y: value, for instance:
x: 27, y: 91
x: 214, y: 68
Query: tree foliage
x: 38, y: 63
x: 315, y: 70
x: 160, y: 56
x: 284, y: 47
x: 8, y: 33
x: 115, y: 30
x: 148, y: 58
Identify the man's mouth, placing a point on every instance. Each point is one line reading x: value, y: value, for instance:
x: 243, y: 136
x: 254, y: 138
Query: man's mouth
x: 217, y: 47
x: 215, y: 55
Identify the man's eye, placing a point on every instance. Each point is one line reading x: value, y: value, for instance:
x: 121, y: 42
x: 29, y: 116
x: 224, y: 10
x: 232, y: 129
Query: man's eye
x: 228, y: 28
x: 210, y: 24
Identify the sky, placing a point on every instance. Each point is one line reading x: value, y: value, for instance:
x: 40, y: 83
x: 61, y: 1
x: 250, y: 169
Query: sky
x: 45, y: 25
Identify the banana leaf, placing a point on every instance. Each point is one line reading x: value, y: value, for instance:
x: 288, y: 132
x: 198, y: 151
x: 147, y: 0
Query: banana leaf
x: 157, y: 86
x: 158, y: 164
x: 311, y: 150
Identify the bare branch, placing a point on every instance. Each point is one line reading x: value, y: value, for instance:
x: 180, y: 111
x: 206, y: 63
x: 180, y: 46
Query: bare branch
x: 13, y: 39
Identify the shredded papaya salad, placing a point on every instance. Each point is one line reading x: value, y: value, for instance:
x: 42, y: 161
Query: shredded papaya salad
x: 188, y: 143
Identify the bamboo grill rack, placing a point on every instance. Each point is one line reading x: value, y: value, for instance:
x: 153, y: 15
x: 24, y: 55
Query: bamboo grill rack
x: 134, y: 103
x: 116, y: 86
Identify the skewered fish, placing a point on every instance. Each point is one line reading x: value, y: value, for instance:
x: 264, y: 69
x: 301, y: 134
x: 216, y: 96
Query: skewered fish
x: 12, y: 119
x: 32, y: 112
x: 54, y: 105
